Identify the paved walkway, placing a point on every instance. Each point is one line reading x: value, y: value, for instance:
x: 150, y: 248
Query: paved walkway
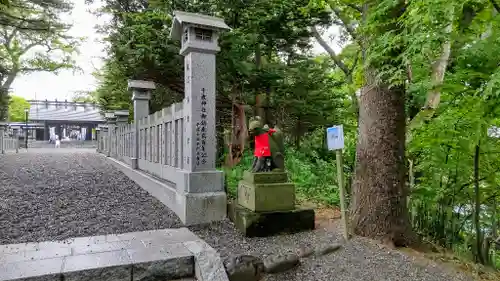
x: 166, y: 253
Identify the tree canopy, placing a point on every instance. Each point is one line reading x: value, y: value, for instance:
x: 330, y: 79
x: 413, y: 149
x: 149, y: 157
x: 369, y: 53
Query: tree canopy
x: 17, y: 107
x: 33, y: 38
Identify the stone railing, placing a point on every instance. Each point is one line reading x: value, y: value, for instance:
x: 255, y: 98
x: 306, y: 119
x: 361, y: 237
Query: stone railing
x: 125, y: 143
x: 7, y: 143
x: 160, y: 145
x: 177, y: 144
x: 161, y: 142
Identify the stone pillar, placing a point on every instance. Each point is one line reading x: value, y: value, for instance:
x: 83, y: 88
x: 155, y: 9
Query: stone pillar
x: 205, y: 199
x: 111, y: 121
x: 103, y: 143
x: 141, y: 94
x: 121, y: 122
x: 98, y: 144
x: 46, y: 131
x: 3, y: 129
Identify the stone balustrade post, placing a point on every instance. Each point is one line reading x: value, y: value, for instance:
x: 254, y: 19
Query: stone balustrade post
x: 121, y: 122
x: 103, y: 141
x: 3, y: 129
x: 141, y: 94
x: 98, y: 141
x: 111, y: 122
x: 205, y: 197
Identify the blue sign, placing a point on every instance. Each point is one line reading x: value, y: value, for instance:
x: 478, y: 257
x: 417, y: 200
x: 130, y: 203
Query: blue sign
x: 335, y: 137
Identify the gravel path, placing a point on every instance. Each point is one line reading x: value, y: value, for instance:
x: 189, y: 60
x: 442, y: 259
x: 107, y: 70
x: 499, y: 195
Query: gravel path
x: 53, y: 194
x: 358, y: 260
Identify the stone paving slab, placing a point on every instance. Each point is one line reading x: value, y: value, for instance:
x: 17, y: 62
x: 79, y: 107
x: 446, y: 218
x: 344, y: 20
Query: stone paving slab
x: 166, y: 253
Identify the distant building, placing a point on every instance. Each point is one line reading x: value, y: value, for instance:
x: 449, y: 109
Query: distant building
x: 63, y: 118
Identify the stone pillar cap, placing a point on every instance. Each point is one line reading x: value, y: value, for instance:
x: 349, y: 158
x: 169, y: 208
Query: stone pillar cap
x: 121, y: 113
x: 141, y: 84
x: 182, y: 18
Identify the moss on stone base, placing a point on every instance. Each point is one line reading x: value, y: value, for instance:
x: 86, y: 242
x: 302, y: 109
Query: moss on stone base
x: 265, y: 177
x: 261, y: 224
x: 266, y: 197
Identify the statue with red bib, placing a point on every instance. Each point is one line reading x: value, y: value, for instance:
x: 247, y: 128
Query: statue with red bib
x: 268, y: 149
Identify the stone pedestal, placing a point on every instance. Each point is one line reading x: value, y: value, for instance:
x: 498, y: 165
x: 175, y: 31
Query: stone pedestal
x: 141, y: 94
x: 203, y: 197
x: 111, y: 122
x: 265, y: 206
x: 103, y: 143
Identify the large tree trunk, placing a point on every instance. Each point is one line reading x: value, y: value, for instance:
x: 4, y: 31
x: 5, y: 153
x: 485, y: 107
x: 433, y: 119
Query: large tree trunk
x: 379, y: 191
x: 4, y: 105
x: 379, y: 207
x: 10, y: 79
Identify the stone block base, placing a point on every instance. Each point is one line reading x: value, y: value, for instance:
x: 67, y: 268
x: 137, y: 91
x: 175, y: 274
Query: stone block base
x: 266, y: 197
x: 261, y: 224
x: 192, y: 208
x: 199, y: 208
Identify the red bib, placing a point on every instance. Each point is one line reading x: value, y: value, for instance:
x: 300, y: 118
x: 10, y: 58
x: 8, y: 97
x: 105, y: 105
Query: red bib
x: 262, y: 148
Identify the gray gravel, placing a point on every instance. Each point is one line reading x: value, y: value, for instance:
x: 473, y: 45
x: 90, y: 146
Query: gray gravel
x: 358, y: 260
x: 53, y: 194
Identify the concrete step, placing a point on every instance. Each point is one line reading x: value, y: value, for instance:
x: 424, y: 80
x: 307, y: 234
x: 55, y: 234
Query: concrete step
x: 128, y: 256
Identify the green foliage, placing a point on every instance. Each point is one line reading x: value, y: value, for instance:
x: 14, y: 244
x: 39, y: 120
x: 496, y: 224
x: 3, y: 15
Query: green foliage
x: 34, y: 39
x: 88, y: 97
x: 17, y: 106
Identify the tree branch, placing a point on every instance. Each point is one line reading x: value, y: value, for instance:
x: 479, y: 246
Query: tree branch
x: 330, y: 51
x: 28, y: 47
x: 495, y: 5
x: 8, y: 38
x: 345, y: 23
x: 356, y: 58
x: 40, y: 69
x: 356, y: 7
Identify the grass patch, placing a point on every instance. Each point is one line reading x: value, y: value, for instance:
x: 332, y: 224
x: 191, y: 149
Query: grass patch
x: 314, y: 178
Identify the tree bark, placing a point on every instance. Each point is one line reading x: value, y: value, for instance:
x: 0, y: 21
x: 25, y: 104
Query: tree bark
x: 10, y: 79
x: 379, y: 192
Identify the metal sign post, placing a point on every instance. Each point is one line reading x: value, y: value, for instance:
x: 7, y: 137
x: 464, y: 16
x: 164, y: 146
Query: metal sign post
x: 335, y: 141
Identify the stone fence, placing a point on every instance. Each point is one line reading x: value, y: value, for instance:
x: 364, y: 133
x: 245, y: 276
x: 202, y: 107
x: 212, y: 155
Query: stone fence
x: 7, y: 143
x: 176, y: 145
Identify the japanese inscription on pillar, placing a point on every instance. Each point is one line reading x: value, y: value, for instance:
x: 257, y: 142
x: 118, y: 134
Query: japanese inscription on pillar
x: 201, y: 131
